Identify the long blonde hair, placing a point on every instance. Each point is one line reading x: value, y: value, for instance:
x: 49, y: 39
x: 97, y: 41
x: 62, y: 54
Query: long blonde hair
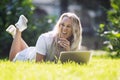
x: 75, y: 39
x: 76, y: 29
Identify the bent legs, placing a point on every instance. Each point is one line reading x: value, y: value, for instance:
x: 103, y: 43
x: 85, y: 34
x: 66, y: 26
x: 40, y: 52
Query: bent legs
x: 18, y: 45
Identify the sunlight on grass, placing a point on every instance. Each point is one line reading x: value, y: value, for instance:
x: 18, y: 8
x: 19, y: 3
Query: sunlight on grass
x: 97, y: 69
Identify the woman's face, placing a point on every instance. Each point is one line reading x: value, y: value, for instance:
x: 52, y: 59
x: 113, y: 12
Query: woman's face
x: 66, y: 27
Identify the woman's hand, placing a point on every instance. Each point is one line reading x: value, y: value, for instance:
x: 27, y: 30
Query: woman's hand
x: 64, y: 43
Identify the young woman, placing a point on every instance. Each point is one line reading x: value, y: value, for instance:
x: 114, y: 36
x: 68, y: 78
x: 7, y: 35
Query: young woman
x: 66, y: 36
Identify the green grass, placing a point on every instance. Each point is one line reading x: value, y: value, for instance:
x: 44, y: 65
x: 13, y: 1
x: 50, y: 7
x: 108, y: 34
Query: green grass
x: 99, y: 68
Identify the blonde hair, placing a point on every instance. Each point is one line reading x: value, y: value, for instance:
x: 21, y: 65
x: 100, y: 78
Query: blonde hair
x: 76, y: 27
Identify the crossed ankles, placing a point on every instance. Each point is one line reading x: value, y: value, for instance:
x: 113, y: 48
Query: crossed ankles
x: 21, y: 25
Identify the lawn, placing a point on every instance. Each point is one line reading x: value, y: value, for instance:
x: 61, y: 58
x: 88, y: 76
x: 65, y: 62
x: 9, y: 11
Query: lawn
x: 99, y: 68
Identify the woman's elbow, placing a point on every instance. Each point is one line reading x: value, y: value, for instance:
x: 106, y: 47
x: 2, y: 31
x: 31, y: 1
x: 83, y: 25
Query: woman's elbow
x: 39, y: 57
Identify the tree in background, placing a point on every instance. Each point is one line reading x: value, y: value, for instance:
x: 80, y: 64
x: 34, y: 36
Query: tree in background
x: 111, y: 31
x: 10, y: 10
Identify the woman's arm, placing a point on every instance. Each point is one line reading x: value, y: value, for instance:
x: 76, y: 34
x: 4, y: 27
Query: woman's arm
x: 39, y: 57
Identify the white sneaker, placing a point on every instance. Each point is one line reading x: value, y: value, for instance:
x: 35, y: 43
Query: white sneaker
x: 12, y: 30
x: 22, y: 23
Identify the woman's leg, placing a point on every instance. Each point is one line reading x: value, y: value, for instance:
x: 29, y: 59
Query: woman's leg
x: 18, y: 45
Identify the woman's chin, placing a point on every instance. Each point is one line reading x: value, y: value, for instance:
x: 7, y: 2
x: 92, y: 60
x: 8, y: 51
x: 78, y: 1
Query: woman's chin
x: 64, y: 36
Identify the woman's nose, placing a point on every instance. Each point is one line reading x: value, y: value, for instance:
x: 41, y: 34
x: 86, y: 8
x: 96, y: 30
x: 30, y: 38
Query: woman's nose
x: 64, y: 28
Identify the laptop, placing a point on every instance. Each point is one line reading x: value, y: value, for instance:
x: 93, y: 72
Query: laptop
x: 75, y: 56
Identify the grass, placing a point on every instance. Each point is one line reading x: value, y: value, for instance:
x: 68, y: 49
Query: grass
x: 99, y: 68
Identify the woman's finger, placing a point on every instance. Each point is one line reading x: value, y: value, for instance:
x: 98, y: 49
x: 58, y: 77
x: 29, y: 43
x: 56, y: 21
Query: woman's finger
x: 64, y: 43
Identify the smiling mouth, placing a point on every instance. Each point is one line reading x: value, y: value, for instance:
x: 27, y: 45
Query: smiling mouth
x: 64, y: 33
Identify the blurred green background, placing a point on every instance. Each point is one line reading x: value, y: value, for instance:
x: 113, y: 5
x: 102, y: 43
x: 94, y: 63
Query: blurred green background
x: 97, y: 17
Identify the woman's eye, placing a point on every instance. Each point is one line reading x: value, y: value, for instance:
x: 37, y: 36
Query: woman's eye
x: 62, y: 24
x: 69, y: 26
